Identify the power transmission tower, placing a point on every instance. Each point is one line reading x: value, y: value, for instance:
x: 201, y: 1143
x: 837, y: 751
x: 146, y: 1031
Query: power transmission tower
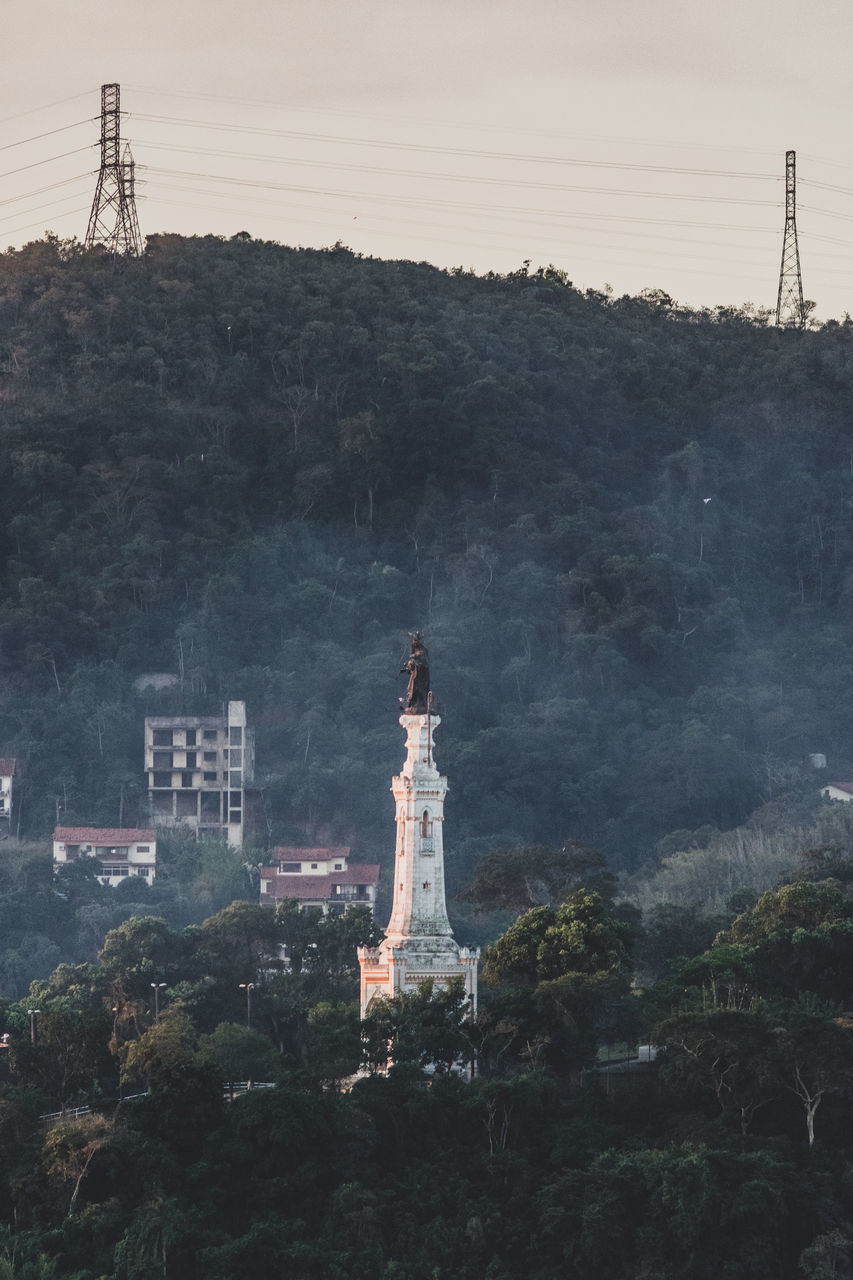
x: 790, y: 308
x: 113, y: 221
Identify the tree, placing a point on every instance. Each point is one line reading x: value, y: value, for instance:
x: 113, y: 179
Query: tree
x: 814, y: 1056
x: 545, y: 943
x: 333, y: 1041
x: 518, y: 878
x: 164, y: 1056
x: 70, y: 1147
x: 725, y: 1053
x: 237, y: 1052
x: 801, y: 905
x: 139, y: 953
x: 336, y: 940
x: 298, y: 932
x: 72, y: 1027
x: 426, y: 1027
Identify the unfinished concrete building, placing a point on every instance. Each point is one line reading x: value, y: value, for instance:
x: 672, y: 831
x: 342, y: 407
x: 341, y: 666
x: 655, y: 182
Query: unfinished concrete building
x: 198, y: 768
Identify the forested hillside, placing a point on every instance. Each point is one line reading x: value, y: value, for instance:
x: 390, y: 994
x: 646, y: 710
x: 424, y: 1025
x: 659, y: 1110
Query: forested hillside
x: 625, y: 530
x: 726, y: 1156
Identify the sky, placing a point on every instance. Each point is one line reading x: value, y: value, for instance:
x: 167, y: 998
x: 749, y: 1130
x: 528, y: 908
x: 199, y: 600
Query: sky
x: 637, y: 145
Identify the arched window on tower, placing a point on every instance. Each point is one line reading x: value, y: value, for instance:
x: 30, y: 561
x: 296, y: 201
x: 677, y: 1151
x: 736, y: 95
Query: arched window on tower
x: 427, y: 845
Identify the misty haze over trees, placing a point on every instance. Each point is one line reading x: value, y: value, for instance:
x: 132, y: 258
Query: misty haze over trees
x: 625, y: 529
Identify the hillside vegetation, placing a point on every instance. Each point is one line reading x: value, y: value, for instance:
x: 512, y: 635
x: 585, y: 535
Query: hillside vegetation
x: 625, y: 530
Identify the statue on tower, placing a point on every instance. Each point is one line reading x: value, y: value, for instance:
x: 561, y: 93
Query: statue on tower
x: 417, y: 694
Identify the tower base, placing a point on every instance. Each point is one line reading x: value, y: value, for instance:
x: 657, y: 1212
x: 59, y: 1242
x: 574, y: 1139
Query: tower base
x: 388, y: 971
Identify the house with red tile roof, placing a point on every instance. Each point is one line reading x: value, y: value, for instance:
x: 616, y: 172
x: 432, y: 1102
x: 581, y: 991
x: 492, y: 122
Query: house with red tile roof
x: 318, y: 877
x: 118, y: 851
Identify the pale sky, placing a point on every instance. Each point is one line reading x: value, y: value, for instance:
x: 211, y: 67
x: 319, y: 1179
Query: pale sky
x: 640, y: 145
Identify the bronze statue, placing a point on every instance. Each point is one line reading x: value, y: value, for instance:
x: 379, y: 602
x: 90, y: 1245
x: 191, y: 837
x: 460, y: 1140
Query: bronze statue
x: 417, y: 694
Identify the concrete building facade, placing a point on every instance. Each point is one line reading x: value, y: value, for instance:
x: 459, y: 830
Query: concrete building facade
x: 198, y: 768
x: 119, y: 851
x: 7, y: 778
x: 318, y: 877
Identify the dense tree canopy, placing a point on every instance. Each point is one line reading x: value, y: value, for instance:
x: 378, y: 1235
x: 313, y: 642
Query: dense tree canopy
x: 622, y: 525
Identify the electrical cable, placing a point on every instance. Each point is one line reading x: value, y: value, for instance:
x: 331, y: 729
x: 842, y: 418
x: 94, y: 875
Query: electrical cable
x: 454, y: 124
x: 78, y: 151
x: 447, y: 177
x: 50, y: 187
x: 38, y: 136
x: 71, y: 212
x: 533, y: 186
x: 464, y: 152
x: 75, y: 97
x: 570, y: 235
x: 539, y: 217
x: 21, y: 213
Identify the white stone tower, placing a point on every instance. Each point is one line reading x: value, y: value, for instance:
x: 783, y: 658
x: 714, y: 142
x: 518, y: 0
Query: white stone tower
x: 419, y: 942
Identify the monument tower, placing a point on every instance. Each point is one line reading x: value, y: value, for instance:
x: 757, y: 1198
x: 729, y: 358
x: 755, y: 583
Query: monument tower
x: 419, y: 942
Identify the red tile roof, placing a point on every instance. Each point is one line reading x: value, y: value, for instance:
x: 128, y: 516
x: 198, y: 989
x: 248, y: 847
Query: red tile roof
x: 294, y: 853
x: 7, y: 766
x: 312, y: 888
x: 104, y: 835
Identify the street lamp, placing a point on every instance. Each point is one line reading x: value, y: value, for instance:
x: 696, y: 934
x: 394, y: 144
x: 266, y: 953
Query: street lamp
x: 157, y: 987
x: 248, y: 987
x: 33, y: 1014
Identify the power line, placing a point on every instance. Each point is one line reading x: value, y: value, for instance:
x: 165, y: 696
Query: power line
x: 541, y: 217
x: 48, y: 160
x: 465, y: 152
x: 447, y: 177
x: 75, y: 97
x: 38, y: 136
x: 13, y: 231
x: 38, y: 191
x: 454, y: 124
x: 531, y: 186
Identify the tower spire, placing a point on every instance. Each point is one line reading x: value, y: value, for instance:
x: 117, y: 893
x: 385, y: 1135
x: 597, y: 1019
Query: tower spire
x: 419, y: 943
x: 113, y: 222
x: 790, y: 308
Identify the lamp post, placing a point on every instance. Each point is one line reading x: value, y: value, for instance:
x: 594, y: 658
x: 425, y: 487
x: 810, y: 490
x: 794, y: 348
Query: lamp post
x: 248, y: 987
x: 157, y: 987
x: 33, y: 1015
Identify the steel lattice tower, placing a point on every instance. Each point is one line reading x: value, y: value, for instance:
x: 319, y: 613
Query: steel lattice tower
x: 113, y: 222
x: 790, y: 308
